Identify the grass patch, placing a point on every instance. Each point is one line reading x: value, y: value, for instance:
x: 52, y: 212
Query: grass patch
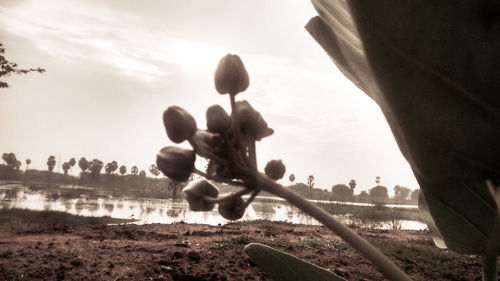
x: 244, y: 239
x: 321, y: 243
x: 52, y: 217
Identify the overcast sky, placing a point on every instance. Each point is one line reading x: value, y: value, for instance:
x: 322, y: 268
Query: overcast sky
x: 113, y: 67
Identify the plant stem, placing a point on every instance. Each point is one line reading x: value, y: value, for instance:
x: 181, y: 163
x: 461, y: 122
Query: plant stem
x: 386, y: 266
x: 253, y: 153
x: 250, y: 200
x: 218, y: 179
x: 490, y: 266
x: 228, y: 197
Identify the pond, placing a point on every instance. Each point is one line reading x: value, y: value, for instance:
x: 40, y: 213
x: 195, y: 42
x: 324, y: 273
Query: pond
x: 95, y: 202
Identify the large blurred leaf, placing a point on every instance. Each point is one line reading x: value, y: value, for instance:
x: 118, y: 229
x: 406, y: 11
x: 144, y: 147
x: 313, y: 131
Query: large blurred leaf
x: 427, y: 218
x: 433, y: 68
x: 281, y: 266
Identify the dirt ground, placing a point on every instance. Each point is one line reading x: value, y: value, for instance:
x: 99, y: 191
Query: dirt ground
x: 201, y: 252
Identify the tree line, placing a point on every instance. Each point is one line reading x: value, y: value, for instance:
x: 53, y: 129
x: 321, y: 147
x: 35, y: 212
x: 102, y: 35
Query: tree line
x: 345, y: 192
x: 93, y: 172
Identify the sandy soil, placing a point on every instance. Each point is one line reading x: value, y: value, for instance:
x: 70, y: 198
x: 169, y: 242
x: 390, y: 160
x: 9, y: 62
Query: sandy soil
x: 201, y: 252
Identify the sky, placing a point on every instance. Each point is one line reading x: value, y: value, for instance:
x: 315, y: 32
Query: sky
x: 113, y: 67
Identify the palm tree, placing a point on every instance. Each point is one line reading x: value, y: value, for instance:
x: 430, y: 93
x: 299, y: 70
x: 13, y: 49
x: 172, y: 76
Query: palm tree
x: 310, y: 181
x: 352, y: 184
x: 291, y: 178
x: 83, y: 164
x: 134, y: 170
x: 71, y: 163
x: 51, y: 163
x: 28, y: 162
x: 111, y: 167
x: 123, y: 170
x: 66, y: 166
x: 154, y: 170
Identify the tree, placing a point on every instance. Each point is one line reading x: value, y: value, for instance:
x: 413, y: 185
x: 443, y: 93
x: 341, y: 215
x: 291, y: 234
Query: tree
x: 401, y: 193
x: 134, y: 170
x: 11, y: 160
x: 142, y: 174
x: 379, y: 192
x: 7, y: 68
x: 342, y: 191
x: 291, y: 178
x: 310, y: 181
x: 71, y: 163
x: 66, y: 166
x: 352, y: 185
x: 28, y: 162
x: 363, y: 194
x: 111, y: 167
x: 414, y: 195
x: 377, y: 180
x: 95, y: 167
x: 154, y: 170
x: 123, y: 170
x: 83, y: 164
x: 51, y: 163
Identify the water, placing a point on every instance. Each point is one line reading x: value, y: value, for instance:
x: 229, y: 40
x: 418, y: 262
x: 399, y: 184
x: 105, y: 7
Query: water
x: 94, y: 202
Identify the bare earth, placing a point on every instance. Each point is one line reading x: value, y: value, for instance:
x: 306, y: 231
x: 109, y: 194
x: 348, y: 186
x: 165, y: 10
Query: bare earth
x: 201, y: 252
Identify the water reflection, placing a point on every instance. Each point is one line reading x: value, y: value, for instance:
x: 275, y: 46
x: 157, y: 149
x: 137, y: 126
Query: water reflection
x: 160, y: 210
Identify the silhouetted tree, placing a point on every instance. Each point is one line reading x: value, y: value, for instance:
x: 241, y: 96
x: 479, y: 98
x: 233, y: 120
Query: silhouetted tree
x: 401, y: 193
x: 352, y: 185
x: 379, y: 192
x: 342, y: 191
x: 71, y: 163
x: 363, y: 194
x: 51, y: 163
x: 28, y: 162
x: 154, y: 170
x: 291, y: 178
x: 11, y: 160
x: 95, y: 168
x: 142, y: 174
x: 377, y: 180
x: 7, y: 68
x: 310, y: 181
x: 66, y: 166
x: 134, y: 170
x: 414, y: 195
x: 111, y: 167
x: 83, y: 164
x: 123, y: 170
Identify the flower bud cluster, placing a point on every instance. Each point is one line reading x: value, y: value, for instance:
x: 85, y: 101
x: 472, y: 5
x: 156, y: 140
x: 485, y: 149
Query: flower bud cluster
x: 228, y: 144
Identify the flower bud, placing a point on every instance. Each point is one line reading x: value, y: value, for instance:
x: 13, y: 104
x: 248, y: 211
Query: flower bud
x: 218, y: 121
x: 195, y: 193
x: 202, y: 143
x: 180, y: 125
x: 231, y: 77
x: 252, y: 125
x: 275, y: 169
x: 232, y: 210
x: 176, y: 163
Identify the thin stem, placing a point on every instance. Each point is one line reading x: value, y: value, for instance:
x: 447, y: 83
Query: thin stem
x: 250, y: 200
x: 219, y: 179
x: 228, y: 197
x: 386, y: 266
x: 490, y: 267
x: 252, y: 153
